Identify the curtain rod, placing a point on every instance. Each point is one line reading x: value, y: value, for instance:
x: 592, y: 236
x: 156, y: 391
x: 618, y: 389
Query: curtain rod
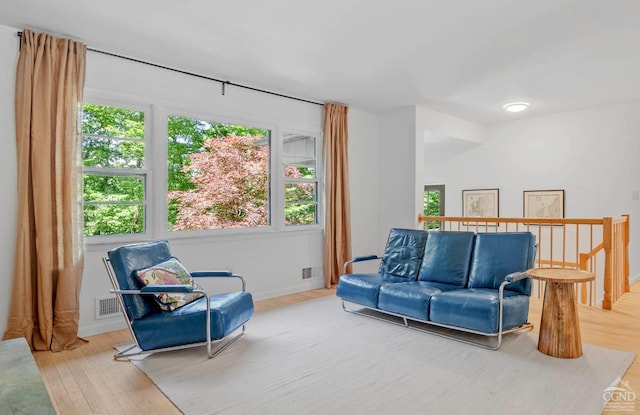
x: 222, y: 82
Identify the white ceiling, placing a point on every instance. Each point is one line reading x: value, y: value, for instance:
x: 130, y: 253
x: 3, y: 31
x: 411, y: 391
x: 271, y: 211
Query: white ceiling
x: 461, y: 57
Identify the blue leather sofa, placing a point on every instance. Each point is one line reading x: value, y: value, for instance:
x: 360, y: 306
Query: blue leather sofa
x: 461, y: 280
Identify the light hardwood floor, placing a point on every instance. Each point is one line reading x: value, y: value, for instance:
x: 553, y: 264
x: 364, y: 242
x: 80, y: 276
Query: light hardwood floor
x: 88, y: 381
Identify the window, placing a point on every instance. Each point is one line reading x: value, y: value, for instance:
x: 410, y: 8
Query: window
x: 433, y: 204
x: 114, y: 174
x: 300, y: 179
x: 193, y: 173
x: 218, y: 175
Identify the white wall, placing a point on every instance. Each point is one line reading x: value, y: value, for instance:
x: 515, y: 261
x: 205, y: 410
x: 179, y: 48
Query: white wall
x: 592, y: 154
x: 8, y: 174
x: 398, y: 163
x: 367, y: 238
x: 402, y: 160
x: 436, y: 123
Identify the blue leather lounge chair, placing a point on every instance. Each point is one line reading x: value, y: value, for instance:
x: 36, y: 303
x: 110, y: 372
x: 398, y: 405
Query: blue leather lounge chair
x: 167, y: 314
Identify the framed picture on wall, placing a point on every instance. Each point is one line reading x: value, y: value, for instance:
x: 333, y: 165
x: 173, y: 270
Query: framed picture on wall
x: 480, y: 203
x: 543, y: 204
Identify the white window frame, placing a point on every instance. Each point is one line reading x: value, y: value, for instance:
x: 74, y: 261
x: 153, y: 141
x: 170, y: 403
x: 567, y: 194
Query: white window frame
x: 318, y: 175
x: 161, y: 116
x: 146, y: 172
x: 156, y: 137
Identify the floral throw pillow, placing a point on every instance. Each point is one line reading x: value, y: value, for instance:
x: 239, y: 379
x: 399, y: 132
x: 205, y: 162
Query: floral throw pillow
x: 169, y: 272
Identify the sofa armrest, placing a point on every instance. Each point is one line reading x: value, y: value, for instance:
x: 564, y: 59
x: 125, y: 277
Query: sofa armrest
x: 159, y: 289
x: 511, y: 278
x: 218, y: 274
x: 516, y: 276
x: 358, y: 259
x: 173, y: 288
x: 365, y: 258
x: 211, y: 273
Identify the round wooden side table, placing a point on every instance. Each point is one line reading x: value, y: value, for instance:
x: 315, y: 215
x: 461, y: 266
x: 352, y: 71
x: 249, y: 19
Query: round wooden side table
x: 559, y: 327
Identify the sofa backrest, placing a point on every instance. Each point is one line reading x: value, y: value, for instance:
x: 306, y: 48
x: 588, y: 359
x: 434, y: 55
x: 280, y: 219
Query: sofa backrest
x: 125, y: 261
x: 447, y: 257
x: 497, y: 255
x: 403, y: 253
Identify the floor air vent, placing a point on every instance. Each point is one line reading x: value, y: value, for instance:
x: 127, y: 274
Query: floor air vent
x: 107, y: 307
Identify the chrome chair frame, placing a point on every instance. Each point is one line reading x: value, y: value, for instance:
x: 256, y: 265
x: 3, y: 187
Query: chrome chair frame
x: 151, y: 290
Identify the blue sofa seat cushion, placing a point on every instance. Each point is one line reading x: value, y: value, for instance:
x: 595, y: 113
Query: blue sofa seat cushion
x: 478, y: 309
x: 363, y: 288
x: 185, y: 325
x: 447, y: 257
x: 410, y: 299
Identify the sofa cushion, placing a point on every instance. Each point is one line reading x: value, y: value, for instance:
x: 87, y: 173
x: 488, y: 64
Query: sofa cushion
x: 447, y: 257
x: 186, y: 324
x: 498, y: 254
x: 169, y: 272
x: 363, y: 288
x: 403, y: 253
x: 410, y: 299
x: 478, y: 309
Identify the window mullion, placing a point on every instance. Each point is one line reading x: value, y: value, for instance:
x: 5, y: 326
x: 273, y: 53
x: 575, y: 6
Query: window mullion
x: 158, y: 156
x: 277, y: 181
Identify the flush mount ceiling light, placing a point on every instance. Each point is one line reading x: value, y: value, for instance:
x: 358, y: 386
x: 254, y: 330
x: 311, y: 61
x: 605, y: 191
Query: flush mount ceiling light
x: 516, y: 106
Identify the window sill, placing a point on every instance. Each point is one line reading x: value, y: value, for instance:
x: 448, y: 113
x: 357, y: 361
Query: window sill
x: 98, y: 243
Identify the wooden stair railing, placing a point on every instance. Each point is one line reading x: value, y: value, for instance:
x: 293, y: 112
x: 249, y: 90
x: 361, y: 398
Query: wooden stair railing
x: 598, y: 245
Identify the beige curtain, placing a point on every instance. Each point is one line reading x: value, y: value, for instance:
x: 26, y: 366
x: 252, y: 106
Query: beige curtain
x: 49, y: 246
x: 337, y: 237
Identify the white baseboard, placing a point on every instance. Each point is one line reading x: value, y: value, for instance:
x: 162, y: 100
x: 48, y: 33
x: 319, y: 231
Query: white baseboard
x: 102, y: 326
x: 306, y: 285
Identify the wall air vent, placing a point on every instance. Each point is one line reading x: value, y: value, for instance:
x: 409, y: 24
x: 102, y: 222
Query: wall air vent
x: 107, y: 307
x: 306, y: 273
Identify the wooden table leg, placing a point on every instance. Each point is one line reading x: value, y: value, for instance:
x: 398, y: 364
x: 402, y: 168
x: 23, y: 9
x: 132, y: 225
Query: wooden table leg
x: 559, y: 326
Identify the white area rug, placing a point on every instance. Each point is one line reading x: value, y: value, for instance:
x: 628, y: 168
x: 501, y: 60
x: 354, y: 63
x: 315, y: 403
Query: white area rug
x: 314, y: 358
